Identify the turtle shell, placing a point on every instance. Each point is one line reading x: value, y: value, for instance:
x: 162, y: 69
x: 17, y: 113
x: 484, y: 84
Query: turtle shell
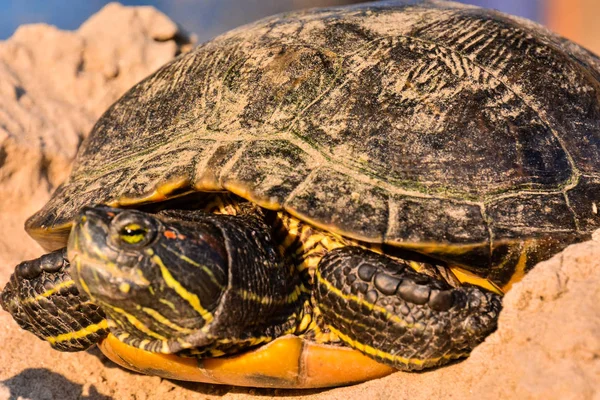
x: 450, y: 130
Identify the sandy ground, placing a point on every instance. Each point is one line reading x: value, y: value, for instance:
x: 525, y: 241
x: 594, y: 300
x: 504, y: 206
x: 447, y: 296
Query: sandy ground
x: 55, y: 84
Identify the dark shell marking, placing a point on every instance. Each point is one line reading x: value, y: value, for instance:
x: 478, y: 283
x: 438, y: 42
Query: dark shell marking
x: 462, y: 133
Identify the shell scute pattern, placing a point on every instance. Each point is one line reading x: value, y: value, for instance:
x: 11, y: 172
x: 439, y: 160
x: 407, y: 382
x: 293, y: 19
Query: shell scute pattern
x: 270, y: 169
x: 429, y: 123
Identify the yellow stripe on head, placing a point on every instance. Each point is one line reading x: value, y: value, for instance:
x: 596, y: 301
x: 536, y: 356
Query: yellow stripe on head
x: 167, y: 303
x: 139, y: 325
x: 188, y: 260
x: 171, y: 282
x: 165, y: 321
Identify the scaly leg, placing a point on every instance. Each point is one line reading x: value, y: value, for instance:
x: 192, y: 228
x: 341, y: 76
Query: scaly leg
x: 42, y: 298
x: 397, y: 316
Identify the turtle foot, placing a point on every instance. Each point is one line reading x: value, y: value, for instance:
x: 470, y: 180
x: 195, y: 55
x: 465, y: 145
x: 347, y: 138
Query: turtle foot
x: 42, y: 298
x: 398, y: 316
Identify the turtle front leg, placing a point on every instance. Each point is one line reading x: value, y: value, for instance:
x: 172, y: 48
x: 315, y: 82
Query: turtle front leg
x: 397, y: 316
x: 43, y: 299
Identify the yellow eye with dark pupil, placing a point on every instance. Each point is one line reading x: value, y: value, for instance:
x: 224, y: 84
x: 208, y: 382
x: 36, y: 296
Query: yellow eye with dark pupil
x: 133, y: 233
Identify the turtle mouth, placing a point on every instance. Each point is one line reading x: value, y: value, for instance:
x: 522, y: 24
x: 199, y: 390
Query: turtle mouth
x: 104, y: 281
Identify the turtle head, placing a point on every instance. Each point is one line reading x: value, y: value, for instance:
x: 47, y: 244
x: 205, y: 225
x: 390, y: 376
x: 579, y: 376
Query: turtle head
x: 158, y: 279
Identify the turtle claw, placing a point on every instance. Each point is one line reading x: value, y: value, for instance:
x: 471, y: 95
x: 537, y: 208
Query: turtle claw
x: 42, y: 298
x: 397, y: 316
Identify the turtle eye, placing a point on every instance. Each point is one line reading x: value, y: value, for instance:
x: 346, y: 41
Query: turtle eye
x: 132, y: 229
x: 133, y: 233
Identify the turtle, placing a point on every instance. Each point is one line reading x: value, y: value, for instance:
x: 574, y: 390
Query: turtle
x: 320, y: 198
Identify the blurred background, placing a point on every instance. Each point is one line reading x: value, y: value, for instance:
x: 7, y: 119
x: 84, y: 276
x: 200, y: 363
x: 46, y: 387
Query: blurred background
x: 575, y: 19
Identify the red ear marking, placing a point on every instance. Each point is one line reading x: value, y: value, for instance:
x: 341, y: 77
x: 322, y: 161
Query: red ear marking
x: 170, y: 235
x: 110, y: 214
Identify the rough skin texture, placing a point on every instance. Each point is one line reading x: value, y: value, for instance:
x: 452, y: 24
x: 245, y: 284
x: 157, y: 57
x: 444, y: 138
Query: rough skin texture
x: 410, y: 320
x: 65, y: 310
